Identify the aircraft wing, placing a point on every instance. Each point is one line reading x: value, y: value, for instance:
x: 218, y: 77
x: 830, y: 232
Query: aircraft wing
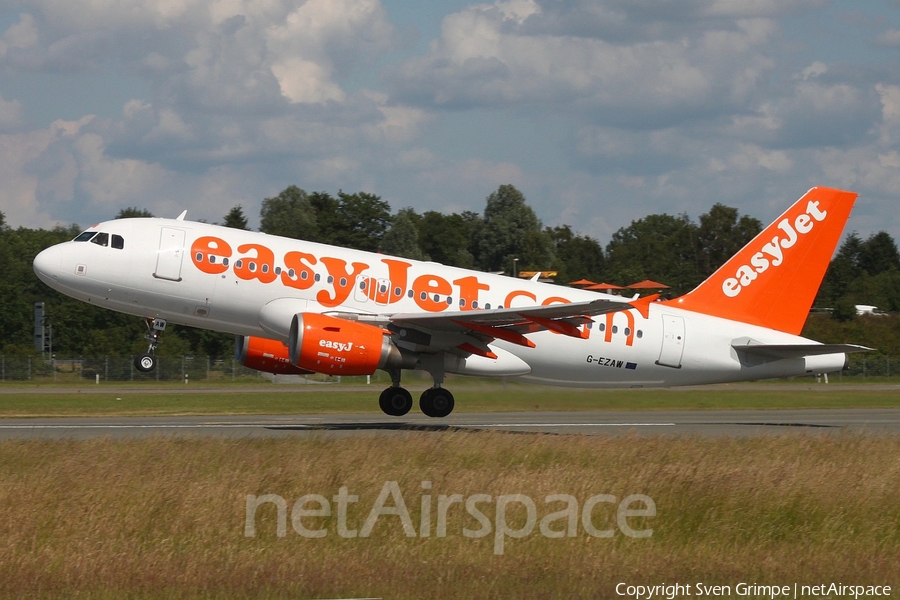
x: 455, y: 320
x: 512, y: 324
x: 781, y: 351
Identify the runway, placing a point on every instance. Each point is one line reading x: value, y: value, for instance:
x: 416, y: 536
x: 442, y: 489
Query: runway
x: 734, y: 423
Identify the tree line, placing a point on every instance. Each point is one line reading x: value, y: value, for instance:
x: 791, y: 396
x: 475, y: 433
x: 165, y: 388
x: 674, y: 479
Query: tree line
x: 505, y: 237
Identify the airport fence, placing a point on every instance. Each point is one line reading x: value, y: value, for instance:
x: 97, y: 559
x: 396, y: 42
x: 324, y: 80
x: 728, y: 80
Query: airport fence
x: 226, y: 369
x: 121, y: 368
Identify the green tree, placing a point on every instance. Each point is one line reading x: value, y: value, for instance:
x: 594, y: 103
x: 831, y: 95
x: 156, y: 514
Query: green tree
x: 446, y: 238
x: 363, y: 219
x: 721, y: 235
x: 862, y: 272
x: 512, y: 230
x: 843, y: 269
x: 133, y: 212
x: 577, y: 256
x: 289, y: 214
x: 879, y: 254
x: 236, y: 219
x: 402, y: 239
x: 475, y: 225
x: 657, y: 247
x: 328, y: 217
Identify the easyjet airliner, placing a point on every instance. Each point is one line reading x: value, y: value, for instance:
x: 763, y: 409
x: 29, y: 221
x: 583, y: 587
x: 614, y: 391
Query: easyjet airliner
x: 302, y: 307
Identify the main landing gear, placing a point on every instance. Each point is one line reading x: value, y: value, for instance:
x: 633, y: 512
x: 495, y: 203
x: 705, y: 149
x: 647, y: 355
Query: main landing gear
x: 434, y: 402
x: 147, y: 362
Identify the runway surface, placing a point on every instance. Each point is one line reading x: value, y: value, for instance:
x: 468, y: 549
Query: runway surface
x: 711, y: 423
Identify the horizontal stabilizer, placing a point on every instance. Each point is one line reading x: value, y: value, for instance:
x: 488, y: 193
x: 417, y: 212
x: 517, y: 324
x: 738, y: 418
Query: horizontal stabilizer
x: 781, y: 351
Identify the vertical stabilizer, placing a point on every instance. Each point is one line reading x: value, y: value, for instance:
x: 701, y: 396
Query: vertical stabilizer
x: 773, y: 280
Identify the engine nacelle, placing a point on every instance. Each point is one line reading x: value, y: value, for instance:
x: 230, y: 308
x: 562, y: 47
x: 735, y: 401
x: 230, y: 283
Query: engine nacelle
x: 269, y: 356
x: 335, y: 346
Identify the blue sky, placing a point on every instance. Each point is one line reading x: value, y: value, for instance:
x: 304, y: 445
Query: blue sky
x: 600, y: 111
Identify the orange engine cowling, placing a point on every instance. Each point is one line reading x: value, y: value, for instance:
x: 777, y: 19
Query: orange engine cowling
x: 269, y: 356
x: 335, y: 346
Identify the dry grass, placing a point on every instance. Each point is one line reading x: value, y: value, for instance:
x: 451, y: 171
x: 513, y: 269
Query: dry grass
x: 165, y: 517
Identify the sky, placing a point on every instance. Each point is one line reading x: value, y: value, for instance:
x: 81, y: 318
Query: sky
x: 600, y: 111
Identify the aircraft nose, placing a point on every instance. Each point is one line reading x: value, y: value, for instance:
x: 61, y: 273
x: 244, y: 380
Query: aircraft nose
x: 46, y: 264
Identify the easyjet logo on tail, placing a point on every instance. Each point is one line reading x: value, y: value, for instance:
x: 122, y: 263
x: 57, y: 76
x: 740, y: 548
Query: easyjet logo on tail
x: 772, y: 253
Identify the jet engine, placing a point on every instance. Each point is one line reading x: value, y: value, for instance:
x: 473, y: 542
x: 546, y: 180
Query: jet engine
x: 268, y: 356
x: 334, y: 346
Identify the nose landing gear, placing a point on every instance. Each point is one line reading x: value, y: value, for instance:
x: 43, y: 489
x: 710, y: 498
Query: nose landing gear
x: 147, y: 362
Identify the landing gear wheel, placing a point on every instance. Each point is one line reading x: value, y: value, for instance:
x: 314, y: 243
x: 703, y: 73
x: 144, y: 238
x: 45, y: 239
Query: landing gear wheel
x: 395, y: 401
x: 436, y: 402
x: 145, y: 363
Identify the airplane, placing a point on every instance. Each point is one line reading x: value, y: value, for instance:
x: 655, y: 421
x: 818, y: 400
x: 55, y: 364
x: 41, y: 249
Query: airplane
x: 302, y: 307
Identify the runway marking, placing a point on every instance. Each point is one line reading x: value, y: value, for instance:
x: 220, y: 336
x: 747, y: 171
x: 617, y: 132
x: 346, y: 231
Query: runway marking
x: 569, y: 425
x: 161, y: 426
x: 318, y: 425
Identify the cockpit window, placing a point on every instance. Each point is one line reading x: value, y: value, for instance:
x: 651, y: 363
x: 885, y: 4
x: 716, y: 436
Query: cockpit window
x: 101, y: 239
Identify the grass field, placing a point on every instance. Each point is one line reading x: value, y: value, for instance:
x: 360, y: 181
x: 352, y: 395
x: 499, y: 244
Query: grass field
x: 165, y: 518
x: 471, y: 396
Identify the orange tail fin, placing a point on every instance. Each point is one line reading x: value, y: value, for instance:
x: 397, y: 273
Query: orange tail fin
x: 773, y: 280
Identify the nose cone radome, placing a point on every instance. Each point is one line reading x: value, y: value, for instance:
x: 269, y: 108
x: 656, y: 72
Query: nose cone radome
x: 46, y: 264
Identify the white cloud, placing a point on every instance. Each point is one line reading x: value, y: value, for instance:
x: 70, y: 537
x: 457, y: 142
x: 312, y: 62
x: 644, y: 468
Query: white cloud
x: 10, y: 114
x: 489, y: 55
x: 642, y: 108
x: 890, y: 38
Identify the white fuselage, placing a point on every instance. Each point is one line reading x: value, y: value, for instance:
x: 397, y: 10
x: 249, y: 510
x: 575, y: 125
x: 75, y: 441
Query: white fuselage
x: 250, y: 283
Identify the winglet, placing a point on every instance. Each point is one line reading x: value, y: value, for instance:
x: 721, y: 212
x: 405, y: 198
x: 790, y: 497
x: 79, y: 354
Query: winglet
x: 773, y: 280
